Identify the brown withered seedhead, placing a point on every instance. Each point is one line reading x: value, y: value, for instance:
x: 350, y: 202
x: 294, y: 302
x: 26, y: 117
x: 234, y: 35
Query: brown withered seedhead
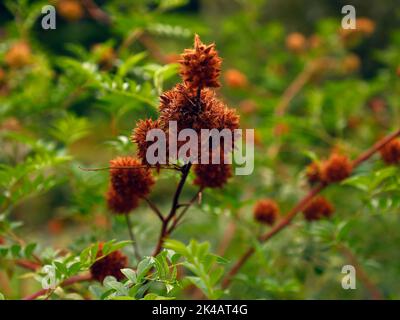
x: 391, y: 152
x: 337, y: 168
x: 121, y: 204
x: 318, y: 208
x: 109, y: 265
x: 139, y: 136
x: 313, y: 173
x: 212, y: 175
x: 266, y: 211
x: 201, y: 66
x: 179, y: 104
x: 129, y: 177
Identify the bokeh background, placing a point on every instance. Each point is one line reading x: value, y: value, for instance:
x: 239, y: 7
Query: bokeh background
x: 70, y: 97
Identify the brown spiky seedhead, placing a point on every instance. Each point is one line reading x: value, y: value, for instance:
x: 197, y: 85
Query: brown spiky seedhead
x: 212, y: 175
x: 313, y: 173
x: 121, y: 204
x: 318, y: 208
x: 180, y: 104
x: 139, y: 136
x: 71, y: 10
x: 109, y: 265
x: 129, y: 177
x: 1, y: 240
x: 296, y: 42
x: 19, y: 55
x: 266, y: 211
x: 201, y: 66
x: 391, y: 152
x: 235, y: 79
x: 337, y: 168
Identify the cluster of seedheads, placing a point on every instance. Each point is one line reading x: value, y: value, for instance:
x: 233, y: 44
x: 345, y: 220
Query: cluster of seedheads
x: 194, y: 104
x: 332, y: 170
x: 191, y: 104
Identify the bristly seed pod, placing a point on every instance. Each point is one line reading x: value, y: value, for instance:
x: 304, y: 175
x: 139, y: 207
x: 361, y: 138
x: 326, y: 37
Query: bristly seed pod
x: 201, y: 66
x: 391, y: 152
x: 129, y: 181
x: 318, y: 208
x: 212, y: 175
x: 266, y: 211
x: 121, y: 204
x: 336, y: 168
x: 109, y: 265
x: 139, y: 136
x: 313, y: 173
x: 129, y: 177
x: 179, y: 104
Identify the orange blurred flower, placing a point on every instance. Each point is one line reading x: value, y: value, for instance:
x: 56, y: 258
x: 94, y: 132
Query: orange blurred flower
x: 235, y: 79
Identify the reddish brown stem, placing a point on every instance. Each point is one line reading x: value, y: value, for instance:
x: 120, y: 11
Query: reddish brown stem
x: 175, y: 204
x: 301, y: 205
x: 154, y: 208
x: 96, y: 12
x: 182, y: 214
x: 65, y: 283
x: 30, y: 265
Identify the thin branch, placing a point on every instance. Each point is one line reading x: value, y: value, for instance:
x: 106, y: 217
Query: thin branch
x: 30, y: 265
x: 131, y: 38
x: 164, y: 227
x: 178, y: 191
x: 154, y: 208
x: 187, y: 206
x: 227, y: 238
x: 301, y: 205
x: 133, y: 238
x: 65, y: 283
x: 298, y: 83
x: 96, y: 12
x: 376, y: 147
x: 174, y: 167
